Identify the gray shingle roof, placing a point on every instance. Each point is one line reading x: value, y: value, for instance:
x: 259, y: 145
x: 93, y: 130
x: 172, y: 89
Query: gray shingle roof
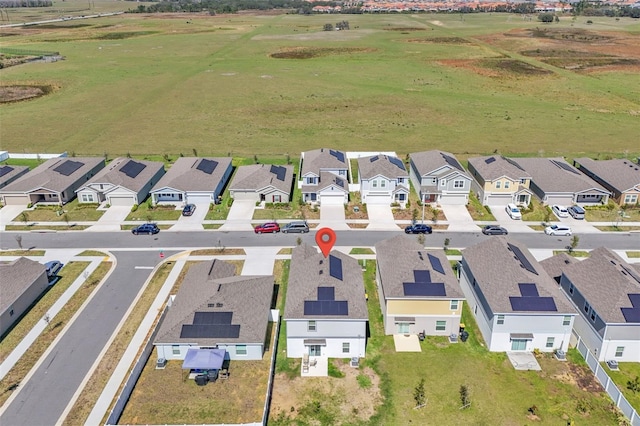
x: 399, y: 256
x: 498, y: 167
x: 15, y: 277
x: 554, y: 265
x: 185, y: 176
x: 211, y: 283
x: 304, y: 279
x: 380, y: 166
x: 427, y: 162
x: 319, y: 159
x: 9, y: 173
x: 45, y: 175
x: 603, y: 280
x: 620, y: 174
x: 259, y: 176
x: 114, y: 175
x: 551, y: 178
x: 498, y: 273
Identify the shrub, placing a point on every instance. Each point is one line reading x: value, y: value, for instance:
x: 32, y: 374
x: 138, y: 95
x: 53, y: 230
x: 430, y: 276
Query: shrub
x: 229, y: 202
x: 134, y: 208
x: 364, y: 381
x: 333, y: 371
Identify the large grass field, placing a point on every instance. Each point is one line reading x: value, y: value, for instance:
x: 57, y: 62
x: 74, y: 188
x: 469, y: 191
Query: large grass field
x: 155, y: 84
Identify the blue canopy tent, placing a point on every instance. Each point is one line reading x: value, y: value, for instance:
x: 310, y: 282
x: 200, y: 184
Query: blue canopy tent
x: 204, y: 359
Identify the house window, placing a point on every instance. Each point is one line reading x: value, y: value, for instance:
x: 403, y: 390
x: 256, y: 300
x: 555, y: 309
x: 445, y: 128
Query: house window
x: 454, y: 305
x: 345, y: 347
x: 566, y: 320
x: 87, y: 198
x: 311, y: 326
x: 506, y: 185
x: 383, y: 183
x: 593, y: 315
x: 500, y: 320
x: 571, y: 289
x: 619, y: 351
x: 241, y: 349
x: 458, y: 184
x: 441, y: 325
x: 374, y: 183
x: 586, y: 307
x: 498, y: 184
x: 475, y: 309
x: 342, y: 172
x: 175, y: 349
x: 550, y: 341
x: 11, y: 313
x: 277, y: 198
x: 401, y: 197
x: 443, y: 182
x: 630, y: 198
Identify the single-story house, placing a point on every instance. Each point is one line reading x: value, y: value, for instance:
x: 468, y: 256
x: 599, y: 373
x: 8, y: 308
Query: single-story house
x: 324, y: 177
x: 22, y: 281
x: 517, y: 305
x: 326, y: 310
x: 124, y: 182
x: 620, y: 176
x: 438, y: 177
x: 499, y: 181
x: 418, y: 289
x: 554, y: 181
x: 605, y: 290
x: 53, y: 182
x: 214, y: 308
x: 10, y: 173
x: 262, y: 182
x: 383, y: 180
x: 193, y: 180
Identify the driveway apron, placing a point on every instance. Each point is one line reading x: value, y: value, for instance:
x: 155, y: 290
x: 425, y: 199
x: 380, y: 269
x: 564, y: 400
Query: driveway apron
x: 193, y: 222
x: 333, y: 217
x: 111, y: 219
x: 239, y: 217
x: 459, y: 219
x: 381, y: 218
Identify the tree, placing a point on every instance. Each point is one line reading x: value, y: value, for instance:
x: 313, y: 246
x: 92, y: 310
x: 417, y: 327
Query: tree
x: 19, y: 241
x: 634, y: 385
x: 546, y: 17
x: 419, y: 395
x: 327, y: 27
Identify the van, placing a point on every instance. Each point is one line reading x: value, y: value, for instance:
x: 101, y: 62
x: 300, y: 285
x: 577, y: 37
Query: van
x: 300, y: 226
x: 513, y: 212
x: 576, y: 212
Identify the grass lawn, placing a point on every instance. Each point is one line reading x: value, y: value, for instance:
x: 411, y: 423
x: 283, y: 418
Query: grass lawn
x: 91, y: 253
x: 217, y: 252
x: 361, y: 250
x: 130, y: 227
x: 46, y: 227
x: 613, y: 213
x: 629, y: 371
x: 574, y: 253
x: 149, y: 214
x: 73, y: 212
x: 537, y: 213
x: 477, y: 210
x: 633, y: 254
x: 620, y: 228
x: 22, y: 253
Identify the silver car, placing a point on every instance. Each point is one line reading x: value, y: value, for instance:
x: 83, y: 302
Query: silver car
x: 557, y: 230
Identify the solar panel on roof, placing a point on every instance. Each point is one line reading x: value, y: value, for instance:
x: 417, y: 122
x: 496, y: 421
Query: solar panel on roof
x: 326, y: 293
x: 132, y: 168
x: 632, y: 314
x: 528, y: 290
x: 279, y: 171
x: 435, y: 263
x: 374, y: 158
x: 424, y: 289
x: 326, y: 307
x: 340, y: 183
x: 335, y: 267
x: 210, y: 318
x: 208, y: 331
x: 5, y: 169
x: 421, y: 276
x: 522, y: 258
x: 451, y: 161
x: 513, y: 163
x: 397, y: 162
x: 533, y: 304
x: 635, y: 300
x: 68, y: 167
x: 207, y: 166
x: 339, y: 155
x: 490, y: 160
x: 565, y: 166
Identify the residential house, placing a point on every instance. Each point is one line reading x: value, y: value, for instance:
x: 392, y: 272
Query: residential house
x: 214, y: 308
x: 517, y: 305
x: 324, y: 177
x: 605, y: 290
x: 22, y: 281
x: 10, y: 173
x: 53, y: 182
x: 620, y: 176
x: 124, y: 182
x: 383, y: 180
x: 438, y: 177
x: 554, y: 181
x: 418, y: 289
x: 193, y: 180
x: 262, y: 182
x: 325, y: 311
x: 499, y: 181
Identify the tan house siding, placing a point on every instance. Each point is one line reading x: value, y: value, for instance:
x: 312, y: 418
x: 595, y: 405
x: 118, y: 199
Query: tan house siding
x: 422, y: 307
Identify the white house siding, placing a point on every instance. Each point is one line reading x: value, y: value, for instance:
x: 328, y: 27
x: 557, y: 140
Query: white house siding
x: 476, y: 308
x: 335, y: 332
x: 426, y: 323
x: 271, y: 196
x: 199, y: 198
x: 541, y: 326
x: 254, y: 352
x: 625, y: 335
x: 22, y: 303
x: 88, y: 195
x: 166, y: 351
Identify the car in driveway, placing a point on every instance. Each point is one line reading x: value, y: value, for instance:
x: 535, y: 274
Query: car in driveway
x: 418, y: 228
x: 560, y: 211
x: 576, y: 212
x: 300, y: 226
x: 557, y: 230
x: 188, y: 209
x: 267, y: 228
x: 513, y: 212
x: 494, y: 230
x: 147, y: 228
x: 53, y: 267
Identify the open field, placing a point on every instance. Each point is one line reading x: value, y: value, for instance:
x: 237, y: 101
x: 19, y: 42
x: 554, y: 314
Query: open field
x: 237, y: 84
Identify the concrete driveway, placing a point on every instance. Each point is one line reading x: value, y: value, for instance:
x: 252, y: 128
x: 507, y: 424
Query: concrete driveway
x: 239, y: 217
x: 333, y: 217
x: 111, y: 219
x: 459, y: 219
x: 193, y: 222
x: 579, y: 226
x: 7, y: 213
x: 381, y: 218
x: 506, y: 222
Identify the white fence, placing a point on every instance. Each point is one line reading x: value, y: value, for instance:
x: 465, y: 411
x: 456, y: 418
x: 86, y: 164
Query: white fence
x: 35, y: 156
x: 606, y: 382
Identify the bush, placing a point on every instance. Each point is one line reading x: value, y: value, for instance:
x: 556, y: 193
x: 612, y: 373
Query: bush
x: 364, y: 381
x: 134, y: 208
x: 229, y: 202
x: 546, y: 17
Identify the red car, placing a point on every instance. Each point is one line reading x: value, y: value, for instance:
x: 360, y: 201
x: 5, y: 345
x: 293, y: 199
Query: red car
x: 268, y: 227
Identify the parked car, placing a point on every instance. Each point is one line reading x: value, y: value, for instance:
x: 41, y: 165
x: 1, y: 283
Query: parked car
x: 188, y: 209
x: 418, y: 228
x: 576, y: 212
x: 147, y: 228
x: 560, y: 211
x: 296, y: 226
x: 513, y: 211
x: 557, y: 230
x: 494, y: 230
x: 53, y: 267
x: 265, y: 228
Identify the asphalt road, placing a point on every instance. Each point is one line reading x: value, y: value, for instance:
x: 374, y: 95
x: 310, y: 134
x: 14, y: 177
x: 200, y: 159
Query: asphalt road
x: 42, y: 399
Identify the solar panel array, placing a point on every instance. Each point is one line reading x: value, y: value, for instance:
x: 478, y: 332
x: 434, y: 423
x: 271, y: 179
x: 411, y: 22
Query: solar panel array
x: 212, y: 317
x: 279, y: 171
x: 528, y: 290
x: 4, y: 170
x: 424, y: 289
x: 326, y: 307
x: 132, y: 168
x: 397, y: 162
x: 522, y: 258
x: 326, y: 293
x: 68, y: 167
x: 490, y: 160
x: 207, y: 166
x: 421, y: 276
x: 435, y: 263
x: 533, y: 304
x: 632, y: 314
x: 209, y: 325
x: 513, y: 163
x: 374, y: 158
x: 451, y: 161
x: 565, y: 166
x: 335, y: 267
x: 339, y: 155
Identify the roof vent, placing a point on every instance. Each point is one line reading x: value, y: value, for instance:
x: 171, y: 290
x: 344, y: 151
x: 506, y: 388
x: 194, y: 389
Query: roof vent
x: 218, y: 305
x: 612, y: 262
x: 321, y: 261
x: 320, y: 272
x: 219, y: 287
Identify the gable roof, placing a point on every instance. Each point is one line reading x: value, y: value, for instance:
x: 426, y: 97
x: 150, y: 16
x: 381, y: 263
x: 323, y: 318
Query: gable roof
x: 323, y: 158
x: 375, y: 165
x: 259, y: 176
x: 310, y: 270
x: 327, y: 179
x: 554, y: 265
x: 16, y: 277
x: 126, y: 173
x: 620, y: 174
x: 9, y: 173
x: 427, y: 162
x: 605, y: 280
x: 496, y: 166
x: 187, y: 174
x: 556, y: 175
x: 400, y: 256
x: 212, y: 287
x: 498, y: 270
x: 56, y: 174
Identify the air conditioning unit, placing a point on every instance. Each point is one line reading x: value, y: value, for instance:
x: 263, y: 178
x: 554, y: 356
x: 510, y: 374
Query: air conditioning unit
x: 560, y: 355
x: 355, y: 362
x: 613, y: 364
x: 161, y: 364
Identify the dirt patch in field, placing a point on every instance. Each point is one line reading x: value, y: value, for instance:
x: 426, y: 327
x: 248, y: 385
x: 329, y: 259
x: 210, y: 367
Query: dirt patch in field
x: 578, y: 376
x: 498, y: 67
x: 440, y: 40
x: 20, y: 93
x: 308, y: 53
x: 568, y: 34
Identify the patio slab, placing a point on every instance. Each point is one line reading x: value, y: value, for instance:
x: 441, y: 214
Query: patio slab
x: 320, y: 369
x: 523, y: 361
x: 407, y: 343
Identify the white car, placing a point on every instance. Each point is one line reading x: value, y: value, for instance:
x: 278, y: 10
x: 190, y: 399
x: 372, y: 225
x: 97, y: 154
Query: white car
x: 557, y: 230
x: 513, y: 212
x: 560, y: 211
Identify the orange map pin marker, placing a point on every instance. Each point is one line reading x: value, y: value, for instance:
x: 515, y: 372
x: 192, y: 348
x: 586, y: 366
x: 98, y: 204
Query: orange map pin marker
x: 325, y: 238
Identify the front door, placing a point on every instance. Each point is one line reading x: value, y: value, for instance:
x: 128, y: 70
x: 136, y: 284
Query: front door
x: 403, y: 328
x: 518, y: 344
x: 315, y: 350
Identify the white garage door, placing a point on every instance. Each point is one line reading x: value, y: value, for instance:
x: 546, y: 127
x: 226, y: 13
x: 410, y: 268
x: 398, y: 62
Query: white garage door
x: 332, y: 200
x: 246, y: 195
x: 16, y: 200
x: 378, y: 199
x: 121, y: 201
x: 454, y: 200
x: 499, y: 200
x: 198, y: 199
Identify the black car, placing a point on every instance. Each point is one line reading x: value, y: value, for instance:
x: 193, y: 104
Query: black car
x: 494, y: 230
x: 147, y: 228
x: 418, y: 228
x: 188, y: 209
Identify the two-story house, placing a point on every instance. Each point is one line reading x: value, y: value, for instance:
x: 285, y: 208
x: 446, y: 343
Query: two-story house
x: 620, y: 176
x: 499, y: 181
x: 324, y: 177
x: 438, y: 177
x: 383, y: 179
